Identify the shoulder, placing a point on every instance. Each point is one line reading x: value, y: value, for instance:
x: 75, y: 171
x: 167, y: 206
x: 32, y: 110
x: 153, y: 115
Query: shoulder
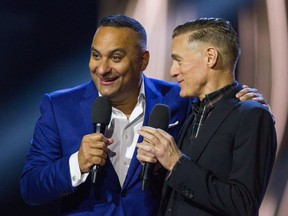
x: 253, y: 110
x: 159, y: 82
x: 72, y: 93
x: 161, y: 85
x: 66, y: 101
x: 168, y: 91
x: 79, y: 89
x: 250, y: 105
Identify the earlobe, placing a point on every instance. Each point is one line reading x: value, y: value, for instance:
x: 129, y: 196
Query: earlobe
x: 212, y: 57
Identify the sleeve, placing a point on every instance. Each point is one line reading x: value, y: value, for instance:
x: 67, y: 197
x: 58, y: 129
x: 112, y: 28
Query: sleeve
x: 253, y: 153
x: 46, y: 175
x: 76, y: 177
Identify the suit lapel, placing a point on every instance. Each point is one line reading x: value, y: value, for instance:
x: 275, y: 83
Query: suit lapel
x: 213, y: 122
x: 184, y: 130
x: 85, y: 104
x: 154, y: 98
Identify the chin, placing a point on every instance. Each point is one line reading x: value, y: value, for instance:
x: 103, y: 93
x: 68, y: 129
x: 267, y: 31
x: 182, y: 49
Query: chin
x: 105, y: 93
x: 182, y: 94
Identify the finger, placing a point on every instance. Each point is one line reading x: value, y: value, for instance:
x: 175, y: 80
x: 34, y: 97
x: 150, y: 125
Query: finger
x: 250, y: 96
x: 98, y: 161
x: 152, y: 133
x: 146, y: 149
x: 145, y: 159
x: 101, y: 145
x: 148, y: 135
x: 97, y: 141
x: 109, y: 141
x: 95, y: 137
x: 145, y: 146
x: 260, y: 100
x: 145, y: 154
x: 98, y: 153
x: 148, y: 129
x: 245, y: 91
x: 88, y: 160
x: 161, y: 134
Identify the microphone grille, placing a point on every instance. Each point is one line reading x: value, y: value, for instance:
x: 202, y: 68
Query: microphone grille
x: 160, y: 117
x: 101, y: 110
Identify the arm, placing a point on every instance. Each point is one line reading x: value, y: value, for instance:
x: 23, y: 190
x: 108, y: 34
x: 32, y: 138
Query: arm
x: 46, y: 175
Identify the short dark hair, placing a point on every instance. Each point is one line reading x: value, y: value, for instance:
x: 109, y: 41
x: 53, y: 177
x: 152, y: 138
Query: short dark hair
x: 216, y: 31
x: 119, y: 20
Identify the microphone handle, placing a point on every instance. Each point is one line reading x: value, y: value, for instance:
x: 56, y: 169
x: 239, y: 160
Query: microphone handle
x: 98, y: 128
x: 146, y: 175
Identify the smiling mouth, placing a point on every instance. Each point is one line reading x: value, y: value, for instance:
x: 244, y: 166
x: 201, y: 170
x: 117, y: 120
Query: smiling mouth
x: 107, y: 81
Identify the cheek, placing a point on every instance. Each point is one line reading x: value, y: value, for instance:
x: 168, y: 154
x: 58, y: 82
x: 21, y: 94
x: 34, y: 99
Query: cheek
x: 92, y: 65
x: 188, y: 74
x: 120, y: 67
x: 127, y: 71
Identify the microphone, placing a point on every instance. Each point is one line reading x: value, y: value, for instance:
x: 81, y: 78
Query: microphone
x: 159, y: 118
x: 100, y: 116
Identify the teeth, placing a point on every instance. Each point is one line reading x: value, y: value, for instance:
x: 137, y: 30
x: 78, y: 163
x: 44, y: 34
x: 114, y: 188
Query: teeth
x: 106, y: 80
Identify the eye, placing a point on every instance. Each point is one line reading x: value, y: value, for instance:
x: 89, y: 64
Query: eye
x: 177, y: 61
x: 95, y: 55
x: 116, y: 58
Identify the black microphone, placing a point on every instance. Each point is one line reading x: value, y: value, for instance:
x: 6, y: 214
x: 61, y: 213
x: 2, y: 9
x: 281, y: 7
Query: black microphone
x: 159, y: 118
x: 100, y: 116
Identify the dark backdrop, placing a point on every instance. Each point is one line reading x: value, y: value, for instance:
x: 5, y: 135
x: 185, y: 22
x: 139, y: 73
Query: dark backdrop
x: 44, y: 46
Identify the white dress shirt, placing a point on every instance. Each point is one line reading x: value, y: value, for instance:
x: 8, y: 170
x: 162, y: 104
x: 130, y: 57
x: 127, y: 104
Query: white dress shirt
x: 123, y: 130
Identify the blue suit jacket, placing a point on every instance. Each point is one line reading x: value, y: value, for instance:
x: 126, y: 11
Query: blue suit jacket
x: 65, y: 119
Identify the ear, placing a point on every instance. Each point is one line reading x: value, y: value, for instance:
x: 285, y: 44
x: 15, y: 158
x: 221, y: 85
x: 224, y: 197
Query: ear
x: 212, y: 56
x: 144, y: 60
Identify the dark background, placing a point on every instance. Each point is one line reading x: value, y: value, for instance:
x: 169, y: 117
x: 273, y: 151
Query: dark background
x: 44, y: 46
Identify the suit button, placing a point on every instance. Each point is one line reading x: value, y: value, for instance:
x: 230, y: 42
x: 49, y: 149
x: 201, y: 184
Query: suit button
x: 191, y: 196
x: 124, y: 193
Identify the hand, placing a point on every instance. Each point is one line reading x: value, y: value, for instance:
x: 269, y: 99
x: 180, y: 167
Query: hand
x: 93, y: 151
x: 158, y: 146
x: 248, y: 93
x: 144, y: 154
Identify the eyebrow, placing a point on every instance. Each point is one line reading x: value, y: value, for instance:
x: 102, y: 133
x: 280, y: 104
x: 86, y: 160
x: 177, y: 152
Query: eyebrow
x: 111, y: 51
x: 175, y: 56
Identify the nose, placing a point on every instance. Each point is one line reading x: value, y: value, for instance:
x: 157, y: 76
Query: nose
x: 103, y: 67
x: 174, y: 71
x: 100, y: 66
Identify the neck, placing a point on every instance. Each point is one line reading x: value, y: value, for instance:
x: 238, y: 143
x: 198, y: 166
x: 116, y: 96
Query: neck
x: 127, y: 104
x: 218, y: 81
x: 126, y: 107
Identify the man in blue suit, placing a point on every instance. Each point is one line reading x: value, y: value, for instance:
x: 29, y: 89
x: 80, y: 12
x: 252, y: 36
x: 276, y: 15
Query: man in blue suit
x: 64, y: 148
x: 223, y: 159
